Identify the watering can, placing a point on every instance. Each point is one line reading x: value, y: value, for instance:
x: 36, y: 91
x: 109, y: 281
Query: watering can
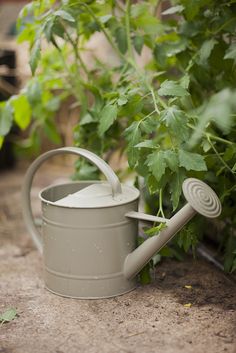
x: 90, y: 229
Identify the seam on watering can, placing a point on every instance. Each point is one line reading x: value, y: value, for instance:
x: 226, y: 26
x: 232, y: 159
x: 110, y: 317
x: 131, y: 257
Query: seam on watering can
x: 99, y: 277
x: 62, y: 225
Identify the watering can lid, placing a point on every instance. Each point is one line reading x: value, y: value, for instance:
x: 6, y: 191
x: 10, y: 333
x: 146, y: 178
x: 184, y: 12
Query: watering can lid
x: 98, y: 195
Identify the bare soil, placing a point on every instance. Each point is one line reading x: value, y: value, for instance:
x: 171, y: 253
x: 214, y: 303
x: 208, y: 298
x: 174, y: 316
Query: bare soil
x: 152, y: 318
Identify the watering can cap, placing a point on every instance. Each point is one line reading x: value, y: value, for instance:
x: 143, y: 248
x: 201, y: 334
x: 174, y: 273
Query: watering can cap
x: 98, y: 195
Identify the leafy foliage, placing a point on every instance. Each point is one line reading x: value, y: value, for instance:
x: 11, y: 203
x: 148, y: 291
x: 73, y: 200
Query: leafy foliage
x: 174, y: 117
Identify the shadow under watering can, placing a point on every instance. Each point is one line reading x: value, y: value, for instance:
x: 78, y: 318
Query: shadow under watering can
x: 90, y: 229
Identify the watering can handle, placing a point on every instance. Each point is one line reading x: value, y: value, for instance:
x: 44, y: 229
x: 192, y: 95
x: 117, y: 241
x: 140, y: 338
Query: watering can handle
x: 26, y: 203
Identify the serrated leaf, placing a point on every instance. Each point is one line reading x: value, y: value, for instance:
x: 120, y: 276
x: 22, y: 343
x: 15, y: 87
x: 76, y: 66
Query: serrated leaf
x: 205, y: 50
x: 157, y: 164
x: 175, y: 119
x: 231, y: 52
x: 6, y: 118
x: 104, y: 19
x: 174, y: 9
x: 191, y: 161
x: 107, y: 117
x: 171, y: 160
x: 193, y: 7
x: 132, y: 107
x: 146, y: 144
x: 34, y: 92
x: 87, y: 119
x: 138, y: 42
x: 8, y: 315
x: 64, y: 15
x: 133, y: 136
x: 219, y: 109
x: 122, y: 100
x: 22, y: 111
x: 121, y: 39
x: 172, y: 88
x: 50, y: 130
x: 176, y: 187
x: 35, y: 55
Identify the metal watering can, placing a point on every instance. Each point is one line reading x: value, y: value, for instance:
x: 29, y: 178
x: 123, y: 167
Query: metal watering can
x: 89, y: 232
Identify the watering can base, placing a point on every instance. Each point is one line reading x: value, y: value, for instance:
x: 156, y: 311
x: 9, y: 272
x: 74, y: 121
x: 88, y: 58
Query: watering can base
x: 89, y: 288
x: 92, y: 297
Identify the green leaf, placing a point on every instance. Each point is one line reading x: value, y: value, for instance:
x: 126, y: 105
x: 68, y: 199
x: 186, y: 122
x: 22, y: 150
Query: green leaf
x: 191, y: 161
x: 6, y: 118
x: 35, y: 55
x: 155, y: 230
x: 121, y: 39
x: 22, y: 111
x: 138, y: 42
x: 157, y: 164
x: 146, y: 144
x: 8, y: 315
x: 176, y: 120
x: 205, y: 50
x: 34, y: 92
x: 122, y: 100
x: 107, y: 117
x: 172, y: 88
x: 1, y: 141
x: 87, y: 119
x: 193, y: 7
x: 50, y: 130
x: 231, y: 52
x: 174, y: 9
x: 104, y: 19
x: 219, y: 109
x: 132, y: 107
x: 171, y: 160
x: 133, y: 136
x: 176, y: 187
x: 64, y: 15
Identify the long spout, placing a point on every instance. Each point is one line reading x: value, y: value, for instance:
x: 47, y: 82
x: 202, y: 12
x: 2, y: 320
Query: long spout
x: 139, y: 257
x: 201, y: 199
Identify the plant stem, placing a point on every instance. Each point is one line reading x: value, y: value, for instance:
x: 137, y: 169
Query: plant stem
x: 213, y: 137
x: 219, y: 157
x: 154, y: 101
x: 127, y: 25
x: 160, y: 211
x: 103, y: 29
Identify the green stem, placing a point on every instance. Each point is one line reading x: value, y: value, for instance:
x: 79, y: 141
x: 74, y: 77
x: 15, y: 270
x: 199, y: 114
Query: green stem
x: 156, y: 8
x: 127, y: 26
x: 75, y: 49
x: 103, y: 29
x: 154, y: 101
x: 224, y: 25
x: 76, y: 84
x: 213, y: 137
x: 160, y: 211
x: 219, y: 157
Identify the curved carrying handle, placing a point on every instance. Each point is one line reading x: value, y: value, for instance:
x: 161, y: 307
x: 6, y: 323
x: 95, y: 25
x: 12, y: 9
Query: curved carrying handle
x: 26, y: 203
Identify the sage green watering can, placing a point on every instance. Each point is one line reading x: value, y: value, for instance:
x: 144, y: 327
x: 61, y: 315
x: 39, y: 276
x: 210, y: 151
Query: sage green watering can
x: 90, y: 229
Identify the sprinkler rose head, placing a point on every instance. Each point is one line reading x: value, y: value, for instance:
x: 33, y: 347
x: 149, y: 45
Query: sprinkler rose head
x: 202, y: 198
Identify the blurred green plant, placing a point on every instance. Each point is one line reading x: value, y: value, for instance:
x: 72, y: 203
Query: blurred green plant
x: 174, y: 117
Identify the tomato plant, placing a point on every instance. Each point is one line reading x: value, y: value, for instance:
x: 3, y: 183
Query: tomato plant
x: 173, y: 117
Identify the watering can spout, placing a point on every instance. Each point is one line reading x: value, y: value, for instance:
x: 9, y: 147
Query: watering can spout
x: 201, y: 199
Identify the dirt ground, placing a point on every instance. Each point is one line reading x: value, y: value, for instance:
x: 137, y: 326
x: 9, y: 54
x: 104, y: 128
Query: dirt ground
x: 150, y: 319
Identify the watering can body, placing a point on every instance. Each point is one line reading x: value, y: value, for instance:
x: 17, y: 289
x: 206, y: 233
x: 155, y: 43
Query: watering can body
x: 89, y: 247
x: 84, y: 249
